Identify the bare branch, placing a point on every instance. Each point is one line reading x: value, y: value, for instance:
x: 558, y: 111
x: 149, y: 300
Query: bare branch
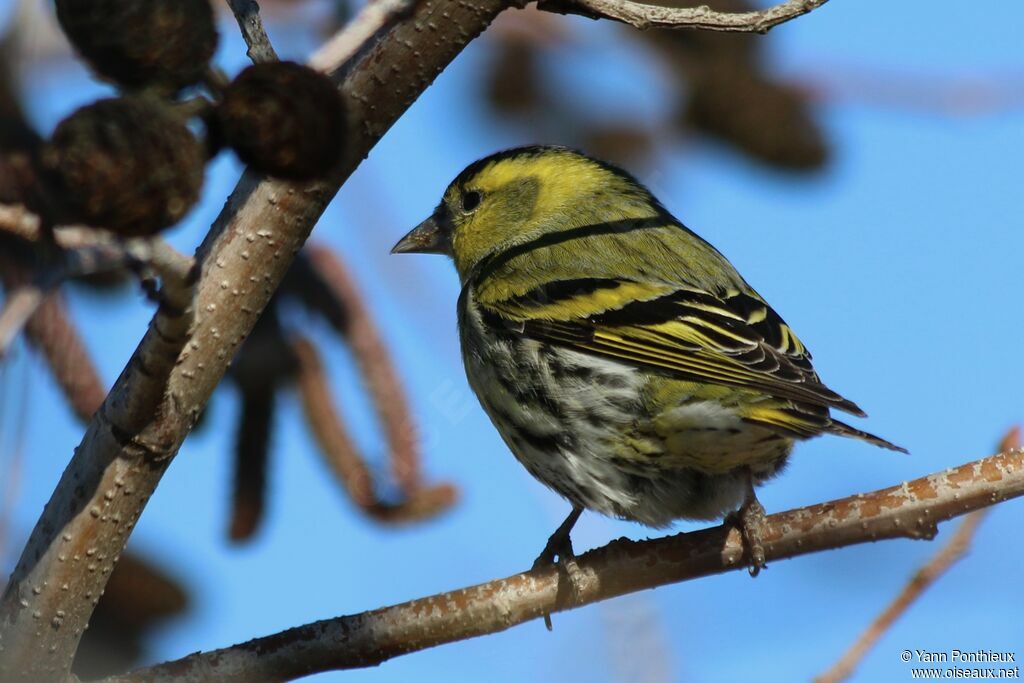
x: 21, y: 304
x: 909, y: 510
x: 19, y: 222
x: 135, y: 435
x: 356, y: 34
x: 957, y: 547
x: 644, y: 16
x: 922, y: 579
x: 85, y: 252
x: 247, y: 14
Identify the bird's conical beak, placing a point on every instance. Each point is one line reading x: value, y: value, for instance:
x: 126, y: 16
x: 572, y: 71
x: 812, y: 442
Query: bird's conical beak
x: 425, y: 238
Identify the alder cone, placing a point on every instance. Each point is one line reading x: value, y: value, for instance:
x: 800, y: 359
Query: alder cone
x: 127, y: 164
x: 166, y: 44
x: 283, y: 119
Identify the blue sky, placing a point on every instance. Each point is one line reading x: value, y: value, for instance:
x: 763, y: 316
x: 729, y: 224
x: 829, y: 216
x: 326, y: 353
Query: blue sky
x: 899, y: 267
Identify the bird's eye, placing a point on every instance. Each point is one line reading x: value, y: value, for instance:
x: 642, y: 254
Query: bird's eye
x: 470, y: 200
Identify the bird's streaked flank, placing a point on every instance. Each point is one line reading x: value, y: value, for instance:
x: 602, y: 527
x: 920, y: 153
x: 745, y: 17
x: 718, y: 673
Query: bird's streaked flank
x: 622, y: 358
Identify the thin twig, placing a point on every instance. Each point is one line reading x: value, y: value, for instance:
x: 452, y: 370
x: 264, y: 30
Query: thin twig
x: 909, y: 510
x: 177, y: 273
x: 919, y: 582
x: 19, y: 222
x: 644, y: 16
x: 247, y: 14
x: 924, y: 577
x: 24, y: 290
x: 88, y: 251
x: 20, y: 304
x: 84, y: 252
x: 348, y: 42
x: 95, y: 255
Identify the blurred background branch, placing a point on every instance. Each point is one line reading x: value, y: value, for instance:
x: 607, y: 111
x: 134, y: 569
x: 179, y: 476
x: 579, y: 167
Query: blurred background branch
x: 955, y: 549
x: 274, y: 357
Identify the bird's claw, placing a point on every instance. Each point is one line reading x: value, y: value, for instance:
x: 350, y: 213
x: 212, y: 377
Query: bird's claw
x: 750, y: 521
x: 559, y: 543
x: 558, y: 546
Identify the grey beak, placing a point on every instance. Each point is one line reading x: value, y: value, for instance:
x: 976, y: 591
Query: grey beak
x: 425, y: 238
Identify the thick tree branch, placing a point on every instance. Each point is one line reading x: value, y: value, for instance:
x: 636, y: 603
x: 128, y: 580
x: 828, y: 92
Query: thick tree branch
x: 135, y: 435
x: 644, y: 16
x: 909, y: 510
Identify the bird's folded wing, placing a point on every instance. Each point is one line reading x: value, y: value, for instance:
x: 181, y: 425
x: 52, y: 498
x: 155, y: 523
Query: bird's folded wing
x: 731, y: 337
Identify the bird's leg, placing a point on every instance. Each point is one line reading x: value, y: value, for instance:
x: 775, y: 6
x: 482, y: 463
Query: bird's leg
x: 559, y: 545
x: 749, y: 519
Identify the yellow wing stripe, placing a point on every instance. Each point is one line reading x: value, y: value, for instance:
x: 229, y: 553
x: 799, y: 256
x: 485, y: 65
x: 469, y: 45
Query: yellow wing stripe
x: 587, y: 304
x: 580, y: 306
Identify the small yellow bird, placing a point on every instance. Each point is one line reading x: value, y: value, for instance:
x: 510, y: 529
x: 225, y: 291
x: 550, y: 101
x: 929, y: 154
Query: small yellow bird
x: 622, y: 358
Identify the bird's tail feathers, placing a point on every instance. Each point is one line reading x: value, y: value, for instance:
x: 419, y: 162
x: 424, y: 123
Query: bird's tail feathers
x: 843, y: 429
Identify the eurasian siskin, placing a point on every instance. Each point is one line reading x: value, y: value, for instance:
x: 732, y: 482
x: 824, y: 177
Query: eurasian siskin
x: 622, y: 358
